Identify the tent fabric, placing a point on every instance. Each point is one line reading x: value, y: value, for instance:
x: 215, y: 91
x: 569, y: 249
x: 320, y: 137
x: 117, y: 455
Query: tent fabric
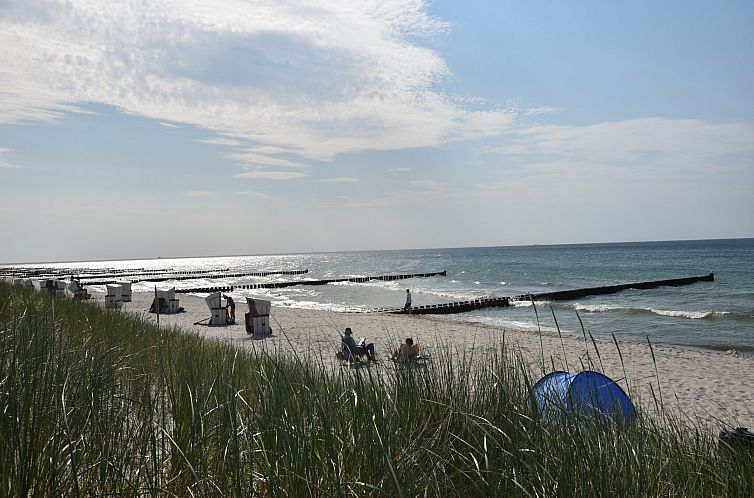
x: 587, y: 393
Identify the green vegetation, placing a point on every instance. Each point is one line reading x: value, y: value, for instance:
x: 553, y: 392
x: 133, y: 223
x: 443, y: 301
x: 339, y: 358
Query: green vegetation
x: 98, y: 403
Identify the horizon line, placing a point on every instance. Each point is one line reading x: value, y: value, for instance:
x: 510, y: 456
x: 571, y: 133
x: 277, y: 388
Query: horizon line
x: 562, y: 244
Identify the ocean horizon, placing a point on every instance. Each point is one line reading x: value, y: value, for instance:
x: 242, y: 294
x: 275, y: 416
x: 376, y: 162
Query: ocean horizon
x: 297, y: 253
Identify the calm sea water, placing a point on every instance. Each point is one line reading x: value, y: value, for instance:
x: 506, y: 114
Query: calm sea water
x: 712, y: 315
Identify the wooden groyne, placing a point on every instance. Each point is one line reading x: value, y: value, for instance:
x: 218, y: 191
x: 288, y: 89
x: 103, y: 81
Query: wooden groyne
x: 566, y: 295
x: 28, y: 272
x: 145, y: 273
x: 569, y: 295
x: 90, y: 276
x: 163, y: 277
x: 451, y: 308
x: 278, y: 285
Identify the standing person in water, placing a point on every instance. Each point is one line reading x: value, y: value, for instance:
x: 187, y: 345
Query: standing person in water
x: 407, y: 307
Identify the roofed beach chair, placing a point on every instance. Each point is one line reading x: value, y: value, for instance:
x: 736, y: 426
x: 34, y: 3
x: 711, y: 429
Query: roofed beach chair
x: 258, y: 318
x: 52, y: 287
x: 60, y: 286
x: 219, y: 312
x: 112, y: 299
x: 125, y: 291
x: 76, y: 291
x: 165, y: 302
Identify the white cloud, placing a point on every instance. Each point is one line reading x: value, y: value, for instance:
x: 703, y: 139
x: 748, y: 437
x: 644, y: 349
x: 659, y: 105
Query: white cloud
x: 199, y: 193
x: 312, y: 78
x: 339, y: 179
x: 270, y: 175
x: 635, y: 179
x: 268, y: 149
x: 253, y: 158
x: 538, y: 111
x: 258, y: 195
x: 687, y: 146
x: 168, y: 125
x: 399, y: 170
x: 5, y: 162
x: 226, y: 142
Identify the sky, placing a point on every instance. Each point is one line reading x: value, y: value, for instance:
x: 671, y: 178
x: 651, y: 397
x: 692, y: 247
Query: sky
x: 139, y: 129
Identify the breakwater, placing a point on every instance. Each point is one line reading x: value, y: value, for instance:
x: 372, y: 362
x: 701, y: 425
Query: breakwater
x: 194, y: 275
x: 86, y: 275
x: 279, y: 285
x: 565, y: 295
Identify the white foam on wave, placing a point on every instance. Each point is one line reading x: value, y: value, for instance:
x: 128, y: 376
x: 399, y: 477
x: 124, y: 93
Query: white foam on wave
x: 281, y: 299
x: 596, y: 308
x: 695, y: 315
x: 501, y: 322
x: 520, y: 304
x: 456, y: 294
x: 313, y: 305
x: 603, y: 308
x: 729, y: 313
x: 383, y: 284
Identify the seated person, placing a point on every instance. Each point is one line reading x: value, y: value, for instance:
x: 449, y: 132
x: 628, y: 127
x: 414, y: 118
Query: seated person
x: 407, y: 351
x: 355, y: 349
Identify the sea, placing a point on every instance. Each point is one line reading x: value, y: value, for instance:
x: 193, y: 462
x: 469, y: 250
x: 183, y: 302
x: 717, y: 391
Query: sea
x: 715, y: 315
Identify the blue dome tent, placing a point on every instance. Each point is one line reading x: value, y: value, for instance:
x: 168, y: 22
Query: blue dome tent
x: 588, y: 393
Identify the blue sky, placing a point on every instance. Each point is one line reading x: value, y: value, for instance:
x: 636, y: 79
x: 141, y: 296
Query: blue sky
x: 143, y: 129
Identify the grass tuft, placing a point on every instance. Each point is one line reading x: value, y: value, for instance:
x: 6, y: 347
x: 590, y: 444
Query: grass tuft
x: 95, y: 402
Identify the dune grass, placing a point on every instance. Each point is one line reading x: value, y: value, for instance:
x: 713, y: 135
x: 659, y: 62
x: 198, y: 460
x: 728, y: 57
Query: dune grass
x: 99, y: 403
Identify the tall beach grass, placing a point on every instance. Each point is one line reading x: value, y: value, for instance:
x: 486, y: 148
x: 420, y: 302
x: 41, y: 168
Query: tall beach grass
x: 98, y: 403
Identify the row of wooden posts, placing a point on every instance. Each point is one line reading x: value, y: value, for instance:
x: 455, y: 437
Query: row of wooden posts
x: 191, y: 276
x: 90, y: 275
x: 566, y: 295
x: 450, y: 307
x: 279, y: 285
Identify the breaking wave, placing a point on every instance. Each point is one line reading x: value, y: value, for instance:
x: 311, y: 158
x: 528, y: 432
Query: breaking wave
x: 692, y: 315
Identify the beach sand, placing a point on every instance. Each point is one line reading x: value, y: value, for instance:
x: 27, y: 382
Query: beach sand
x: 711, y: 388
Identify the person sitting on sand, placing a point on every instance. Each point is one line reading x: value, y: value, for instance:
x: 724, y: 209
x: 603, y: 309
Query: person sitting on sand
x: 407, y: 351
x: 350, y: 343
x: 230, y: 305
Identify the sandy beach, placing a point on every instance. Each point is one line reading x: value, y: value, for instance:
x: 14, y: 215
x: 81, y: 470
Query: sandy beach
x: 708, y: 387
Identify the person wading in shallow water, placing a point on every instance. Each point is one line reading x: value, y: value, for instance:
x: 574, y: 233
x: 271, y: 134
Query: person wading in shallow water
x: 407, y: 307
